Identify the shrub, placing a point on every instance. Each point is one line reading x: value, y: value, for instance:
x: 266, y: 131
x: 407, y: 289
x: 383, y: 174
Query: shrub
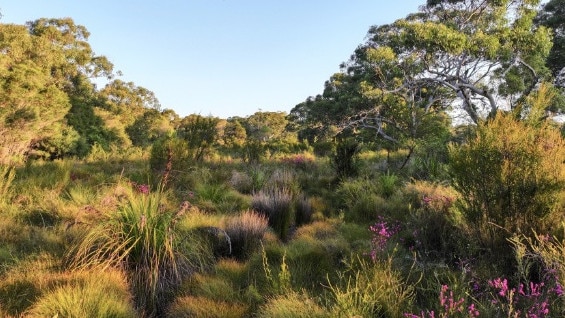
x: 344, y: 159
x: 246, y: 231
x: 510, y: 174
x: 168, y: 151
x: 360, y: 200
x: 277, y: 206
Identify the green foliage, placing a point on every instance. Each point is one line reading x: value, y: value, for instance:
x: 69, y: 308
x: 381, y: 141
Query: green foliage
x: 360, y: 199
x: 170, y: 150
x: 509, y: 174
x: 219, y: 198
x: 344, y: 158
x: 552, y: 15
x: 200, y: 134
x: 148, y: 128
x: 253, y: 151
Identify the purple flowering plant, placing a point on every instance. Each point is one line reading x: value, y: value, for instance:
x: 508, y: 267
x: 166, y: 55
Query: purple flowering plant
x: 382, y: 232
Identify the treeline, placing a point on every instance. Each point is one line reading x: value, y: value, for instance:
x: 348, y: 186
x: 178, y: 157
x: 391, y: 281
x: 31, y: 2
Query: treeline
x: 51, y: 107
x: 451, y: 63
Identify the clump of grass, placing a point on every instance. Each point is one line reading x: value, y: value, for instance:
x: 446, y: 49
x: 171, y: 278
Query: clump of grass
x: 219, y: 198
x: 191, y: 306
x: 142, y: 239
x: 277, y: 206
x: 304, y: 210
x: 242, y: 182
x: 283, y: 179
x: 388, y: 183
x: 96, y: 295
x: 371, y: 289
x: 7, y: 175
x: 246, y: 231
x: 293, y: 305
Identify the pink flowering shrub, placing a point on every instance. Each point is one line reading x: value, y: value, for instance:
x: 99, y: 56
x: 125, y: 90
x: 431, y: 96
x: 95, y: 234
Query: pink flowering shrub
x: 382, y: 231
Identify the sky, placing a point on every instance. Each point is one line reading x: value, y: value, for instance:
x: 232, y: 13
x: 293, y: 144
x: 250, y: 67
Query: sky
x: 222, y: 58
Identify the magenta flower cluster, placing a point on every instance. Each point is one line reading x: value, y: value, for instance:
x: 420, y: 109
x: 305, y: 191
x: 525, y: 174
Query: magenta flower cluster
x: 382, y: 232
x: 449, y: 307
x: 528, y: 300
x: 141, y: 188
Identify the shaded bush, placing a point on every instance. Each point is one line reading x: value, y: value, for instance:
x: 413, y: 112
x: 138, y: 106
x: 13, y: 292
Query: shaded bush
x: 304, y: 210
x: 344, y: 159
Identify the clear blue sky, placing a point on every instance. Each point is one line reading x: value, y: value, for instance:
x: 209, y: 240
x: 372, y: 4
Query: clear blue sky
x: 222, y: 57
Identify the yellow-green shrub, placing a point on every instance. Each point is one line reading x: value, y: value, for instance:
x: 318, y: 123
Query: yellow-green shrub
x: 510, y: 173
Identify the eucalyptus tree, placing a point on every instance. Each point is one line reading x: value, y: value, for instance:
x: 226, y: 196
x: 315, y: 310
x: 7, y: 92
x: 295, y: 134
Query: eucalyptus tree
x: 480, y: 55
x: 200, y: 133
x: 46, y: 68
x: 470, y: 56
x: 552, y: 15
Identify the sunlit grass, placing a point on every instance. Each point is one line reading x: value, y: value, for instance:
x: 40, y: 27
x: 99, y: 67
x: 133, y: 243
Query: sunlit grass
x: 142, y: 239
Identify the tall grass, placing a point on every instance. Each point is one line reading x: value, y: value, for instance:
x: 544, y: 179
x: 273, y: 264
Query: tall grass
x: 277, y: 205
x: 7, y: 175
x: 371, y: 289
x: 246, y: 231
x: 293, y: 305
x: 140, y: 238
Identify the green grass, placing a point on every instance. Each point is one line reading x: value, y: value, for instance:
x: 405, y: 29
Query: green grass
x: 96, y: 295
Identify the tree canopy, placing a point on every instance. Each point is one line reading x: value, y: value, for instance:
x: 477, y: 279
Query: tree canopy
x: 469, y: 57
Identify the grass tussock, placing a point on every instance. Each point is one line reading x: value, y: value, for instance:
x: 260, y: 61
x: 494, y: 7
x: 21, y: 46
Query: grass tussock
x: 96, y: 295
x: 191, y: 306
x: 246, y: 232
x: 142, y: 239
x: 277, y: 206
x: 293, y: 305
